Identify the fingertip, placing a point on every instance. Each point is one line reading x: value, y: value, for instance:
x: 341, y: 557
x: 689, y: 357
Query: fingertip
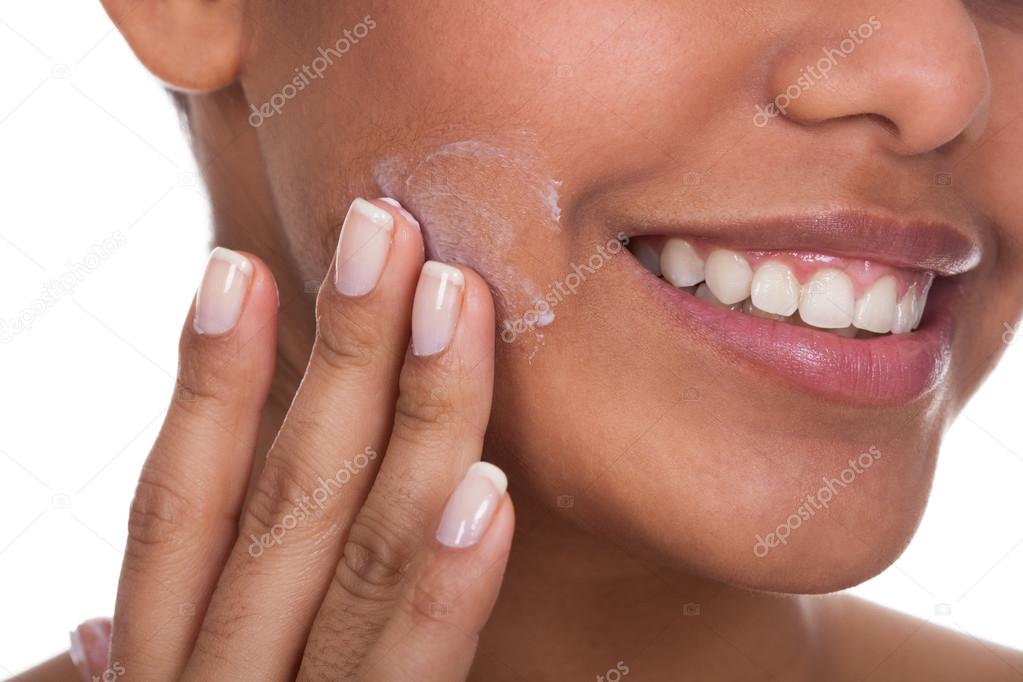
x: 407, y: 227
x: 232, y: 327
x: 234, y: 285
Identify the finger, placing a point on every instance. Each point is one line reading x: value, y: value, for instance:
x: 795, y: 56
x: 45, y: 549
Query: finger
x: 325, y: 457
x: 440, y: 419
x: 184, y: 518
x: 90, y: 648
x: 443, y: 609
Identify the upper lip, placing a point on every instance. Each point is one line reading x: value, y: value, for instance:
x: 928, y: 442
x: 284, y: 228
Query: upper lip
x: 916, y: 244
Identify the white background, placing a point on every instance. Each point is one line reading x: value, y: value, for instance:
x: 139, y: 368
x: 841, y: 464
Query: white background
x: 90, y: 145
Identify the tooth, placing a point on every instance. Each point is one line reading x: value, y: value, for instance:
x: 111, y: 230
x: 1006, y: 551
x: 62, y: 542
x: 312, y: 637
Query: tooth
x: 921, y: 304
x: 827, y: 300
x: 876, y: 308
x: 902, y: 320
x: 729, y: 276
x: 847, y: 332
x: 646, y: 254
x: 680, y: 264
x: 775, y: 289
x: 704, y: 293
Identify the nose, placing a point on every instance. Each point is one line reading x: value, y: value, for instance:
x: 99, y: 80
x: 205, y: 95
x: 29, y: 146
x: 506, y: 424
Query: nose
x: 914, y: 69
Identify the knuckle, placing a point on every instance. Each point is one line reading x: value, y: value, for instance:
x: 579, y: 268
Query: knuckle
x: 345, y: 336
x: 278, y: 498
x: 160, y: 515
x: 423, y: 407
x: 204, y: 376
x: 374, y: 562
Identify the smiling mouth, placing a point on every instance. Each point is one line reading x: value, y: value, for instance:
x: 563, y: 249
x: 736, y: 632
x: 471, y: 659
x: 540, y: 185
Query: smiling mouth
x: 849, y: 306
x: 854, y: 298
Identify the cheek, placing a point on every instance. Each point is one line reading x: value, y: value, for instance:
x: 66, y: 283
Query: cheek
x: 491, y: 207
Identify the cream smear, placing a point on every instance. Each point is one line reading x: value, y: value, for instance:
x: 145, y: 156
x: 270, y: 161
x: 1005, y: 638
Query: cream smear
x: 478, y: 202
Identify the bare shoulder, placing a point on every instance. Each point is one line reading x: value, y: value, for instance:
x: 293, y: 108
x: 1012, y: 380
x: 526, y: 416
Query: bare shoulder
x: 869, y: 642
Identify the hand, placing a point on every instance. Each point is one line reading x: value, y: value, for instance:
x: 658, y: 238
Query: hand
x: 374, y: 542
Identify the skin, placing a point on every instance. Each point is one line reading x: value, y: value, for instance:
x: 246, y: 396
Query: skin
x: 666, y: 492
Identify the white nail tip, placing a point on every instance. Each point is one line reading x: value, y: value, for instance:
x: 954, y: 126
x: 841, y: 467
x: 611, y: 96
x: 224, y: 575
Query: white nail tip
x: 827, y: 300
x: 876, y: 308
x: 491, y: 473
x: 680, y: 264
x: 234, y: 258
x: 446, y: 273
x: 729, y: 276
x: 401, y: 209
x: 372, y: 212
x: 775, y: 289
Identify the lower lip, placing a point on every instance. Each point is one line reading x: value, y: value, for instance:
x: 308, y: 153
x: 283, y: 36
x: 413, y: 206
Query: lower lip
x: 886, y: 370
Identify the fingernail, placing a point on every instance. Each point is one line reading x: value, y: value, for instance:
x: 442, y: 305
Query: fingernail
x: 401, y: 209
x: 218, y: 303
x: 90, y: 647
x: 435, y: 308
x: 471, y: 506
x: 362, y: 249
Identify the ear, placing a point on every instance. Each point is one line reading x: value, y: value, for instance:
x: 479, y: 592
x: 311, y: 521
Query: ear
x: 191, y: 45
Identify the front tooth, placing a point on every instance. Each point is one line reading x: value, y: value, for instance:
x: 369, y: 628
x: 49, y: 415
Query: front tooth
x: 876, y: 308
x: 902, y: 320
x: 680, y: 264
x: 827, y: 300
x: 775, y: 289
x: 729, y: 276
x: 646, y: 254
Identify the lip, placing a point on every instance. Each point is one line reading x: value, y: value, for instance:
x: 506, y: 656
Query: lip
x: 914, y: 244
x: 886, y: 370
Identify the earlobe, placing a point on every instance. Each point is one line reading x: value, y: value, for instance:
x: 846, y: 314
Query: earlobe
x: 192, y: 45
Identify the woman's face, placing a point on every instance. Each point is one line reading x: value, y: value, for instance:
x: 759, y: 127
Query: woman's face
x: 528, y: 138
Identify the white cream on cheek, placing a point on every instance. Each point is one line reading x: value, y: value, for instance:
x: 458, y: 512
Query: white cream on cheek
x: 478, y: 203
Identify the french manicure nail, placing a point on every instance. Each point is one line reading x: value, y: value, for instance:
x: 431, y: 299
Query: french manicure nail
x: 221, y: 295
x: 401, y: 209
x: 90, y: 646
x: 363, y: 248
x: 436, y: 307
x: 471, y: 507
